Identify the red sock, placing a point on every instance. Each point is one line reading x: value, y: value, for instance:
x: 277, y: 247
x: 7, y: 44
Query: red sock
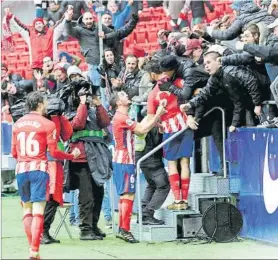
x: 126, y: 213
x: 27, y: 223
x: 120, y: 213
x: 185, y: 188
x: 37, y: 229
x: 174, y: 180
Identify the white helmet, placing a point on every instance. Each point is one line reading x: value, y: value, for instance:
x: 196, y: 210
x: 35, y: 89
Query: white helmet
x: 73, y: 69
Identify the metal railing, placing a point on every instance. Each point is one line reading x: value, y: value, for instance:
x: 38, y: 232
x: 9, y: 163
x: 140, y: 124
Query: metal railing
x: 138, y: 168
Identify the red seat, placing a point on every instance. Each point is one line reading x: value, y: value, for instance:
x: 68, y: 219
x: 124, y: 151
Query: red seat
x: 143, y: 45
x: 21, y: 48
x: 156, y: 17
x: 62, y: 46
x: 211, y: 17
x: 154, y: 46
x: 71, y: 50
x: 21, y: 64
x: 162, y: 24
x: 16, y: 36
x: 12, y: 58
x: 126, y: 43
x: 141, y: 37
x: 152, y: 36
x: 141, y: 25
x: 20, y: 41
x: 72, y: 44
x: 144, y: 17
x: 159, y: 9
x: 228, y: 9
x: 131, y: 38
x: 152, y: 24
x: 12, y: 67
x: 29, y: 74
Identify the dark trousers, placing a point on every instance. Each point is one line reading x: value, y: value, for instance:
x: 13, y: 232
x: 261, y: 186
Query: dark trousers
x: 212, y: 125
x: 49, y: 213
x: 157, y: 189
x: 90, y: 197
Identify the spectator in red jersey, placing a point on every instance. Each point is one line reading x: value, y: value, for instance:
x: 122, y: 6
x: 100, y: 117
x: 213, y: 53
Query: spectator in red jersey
x: 32, y: 135
x: 40, y: 39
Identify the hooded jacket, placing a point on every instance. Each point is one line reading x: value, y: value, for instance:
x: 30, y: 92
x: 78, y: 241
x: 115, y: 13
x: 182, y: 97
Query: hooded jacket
x: 237, y: 83
x: 89, y: 40
x: 247, y: 14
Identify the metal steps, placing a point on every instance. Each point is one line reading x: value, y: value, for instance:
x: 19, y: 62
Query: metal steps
x: 186, y: 223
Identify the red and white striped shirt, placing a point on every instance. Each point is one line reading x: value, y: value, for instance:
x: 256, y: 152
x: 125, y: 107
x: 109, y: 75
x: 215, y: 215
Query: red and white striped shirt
x: 31, y: 136
x: 123, y: 127
x: 172, y: 121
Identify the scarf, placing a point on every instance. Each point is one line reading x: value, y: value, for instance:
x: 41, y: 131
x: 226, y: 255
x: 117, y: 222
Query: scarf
x: 7, y: 42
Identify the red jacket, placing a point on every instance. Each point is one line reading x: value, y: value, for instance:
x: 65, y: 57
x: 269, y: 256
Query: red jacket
x: 40, y: 44
x: 79, y: 123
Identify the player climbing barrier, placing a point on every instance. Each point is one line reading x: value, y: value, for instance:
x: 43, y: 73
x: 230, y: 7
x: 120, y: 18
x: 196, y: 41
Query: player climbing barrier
x: 138, y: 168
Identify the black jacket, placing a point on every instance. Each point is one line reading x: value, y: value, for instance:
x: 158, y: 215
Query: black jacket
x: 237, y: 83
x: 198, y: 8
x: 184, y: 64
x: 111, y: 71
x: 23, y: 88
x: 78, y: 6
x: 131, y: 82
x: 244, y: 59
x: 248, y: 13
x: 268, y: 53
x: 155, y: 3
x: 53, y: 17
x: 194, y: 77
x: 96, y: 149
x: 89, y: 39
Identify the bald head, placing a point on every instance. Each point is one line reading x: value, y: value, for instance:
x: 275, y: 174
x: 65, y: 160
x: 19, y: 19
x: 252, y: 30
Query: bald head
x: 88, y: 19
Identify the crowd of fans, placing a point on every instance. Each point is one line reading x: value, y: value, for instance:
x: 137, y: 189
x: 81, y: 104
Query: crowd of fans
x: 232, y: 63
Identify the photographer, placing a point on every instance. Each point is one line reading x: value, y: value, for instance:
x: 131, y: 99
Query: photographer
x: 93, y: 167
x: 64, y: 131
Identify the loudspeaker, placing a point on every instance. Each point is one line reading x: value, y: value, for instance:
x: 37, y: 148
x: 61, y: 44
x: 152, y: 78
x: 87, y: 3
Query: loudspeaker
x: 222, y: 222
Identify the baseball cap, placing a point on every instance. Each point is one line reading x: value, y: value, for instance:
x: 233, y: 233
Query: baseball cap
x: 191, y: 45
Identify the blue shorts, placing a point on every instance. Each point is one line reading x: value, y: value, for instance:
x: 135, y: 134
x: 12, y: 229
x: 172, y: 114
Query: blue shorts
x: 33, y: 186
x: 125, y: 178
x: 180, y: 147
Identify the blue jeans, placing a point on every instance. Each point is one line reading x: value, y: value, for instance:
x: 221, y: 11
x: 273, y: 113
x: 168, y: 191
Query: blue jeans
x: 93, y: 75
x: 74, y: 210
x: 106, y: 207
x: 272, y: 71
